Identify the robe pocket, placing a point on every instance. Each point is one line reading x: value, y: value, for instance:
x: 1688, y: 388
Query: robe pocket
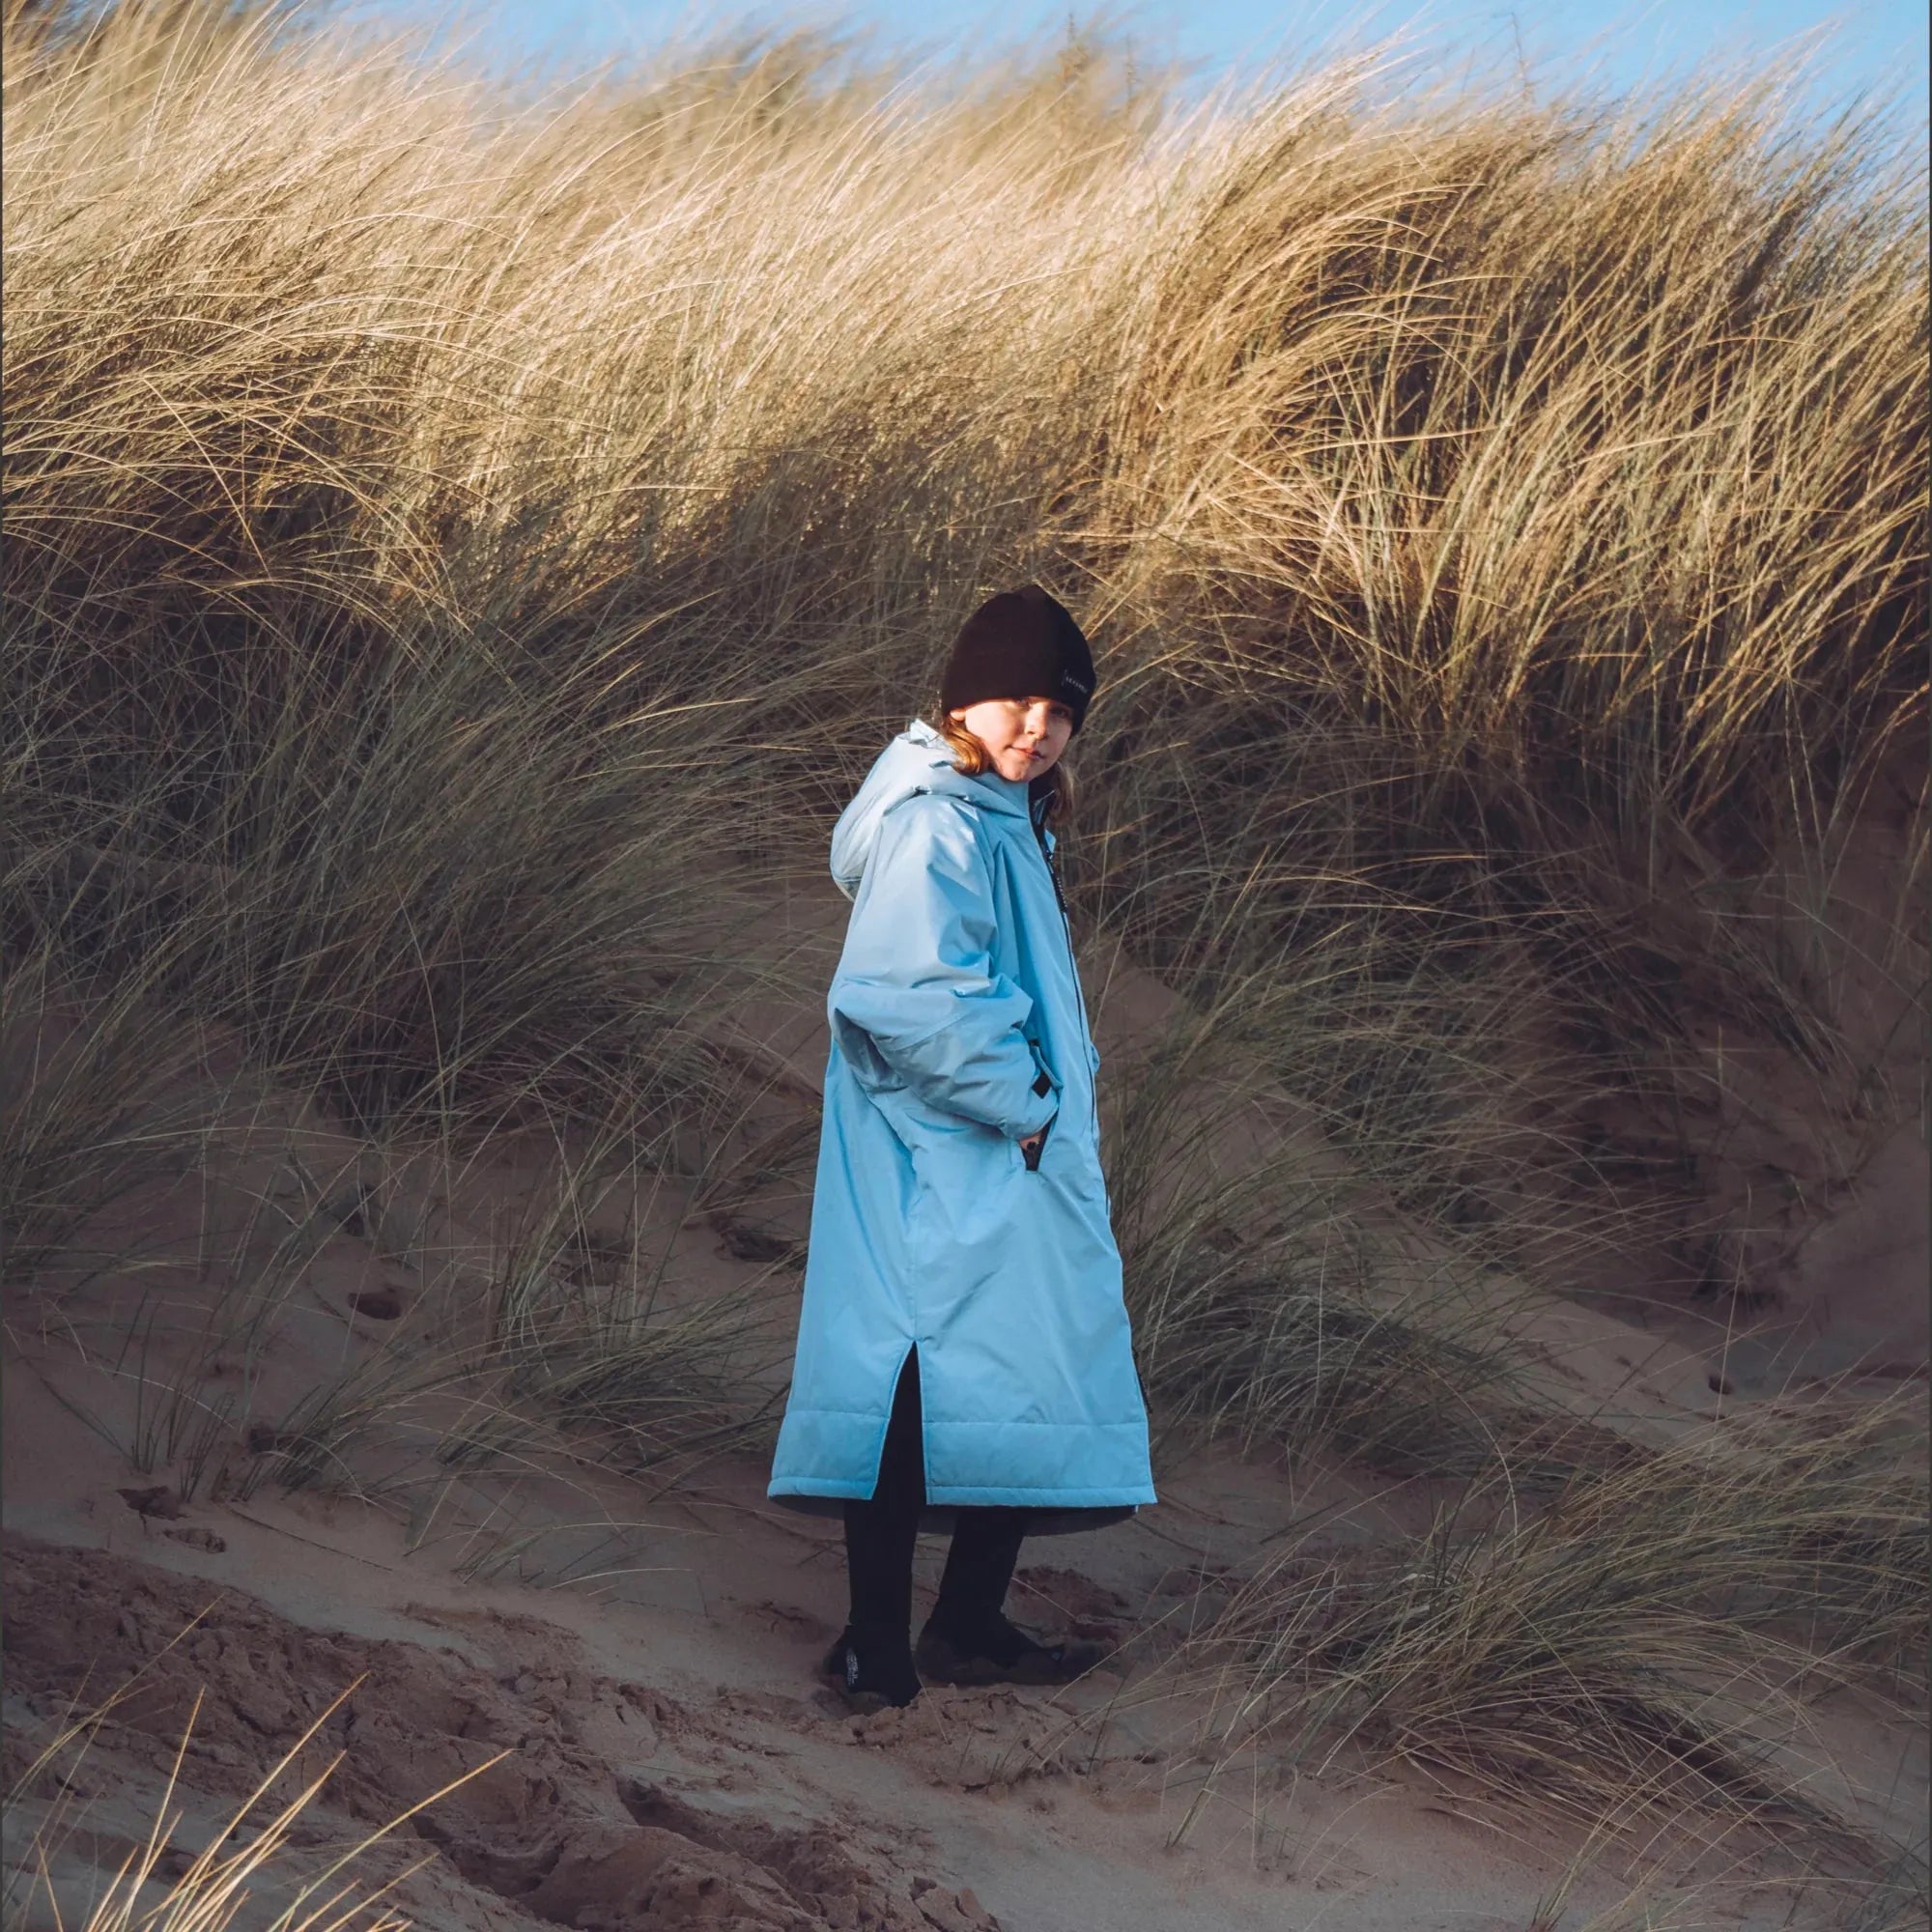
x: 1032, y: 1164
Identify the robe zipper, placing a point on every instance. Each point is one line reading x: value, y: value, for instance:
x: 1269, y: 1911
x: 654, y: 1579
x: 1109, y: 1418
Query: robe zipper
x: 1073, y: 967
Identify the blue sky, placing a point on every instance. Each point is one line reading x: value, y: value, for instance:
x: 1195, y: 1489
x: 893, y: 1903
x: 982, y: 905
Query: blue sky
x: 1628, y: 48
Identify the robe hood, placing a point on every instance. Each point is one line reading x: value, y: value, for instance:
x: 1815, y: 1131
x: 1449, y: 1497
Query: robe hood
x: 917, y: 760
x: 959, y: 1208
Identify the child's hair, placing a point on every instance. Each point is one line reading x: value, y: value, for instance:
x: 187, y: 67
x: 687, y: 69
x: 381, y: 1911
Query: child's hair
x: 970, y: 760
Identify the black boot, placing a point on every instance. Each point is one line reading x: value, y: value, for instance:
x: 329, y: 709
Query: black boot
x: 868, y: 1674
x: 998, y: 1652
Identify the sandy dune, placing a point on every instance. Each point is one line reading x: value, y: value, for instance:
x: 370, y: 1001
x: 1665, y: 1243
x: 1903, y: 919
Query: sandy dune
x: 635, y: 1652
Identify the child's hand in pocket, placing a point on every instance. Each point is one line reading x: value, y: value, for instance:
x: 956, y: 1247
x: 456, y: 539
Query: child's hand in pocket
x: 1034, y: 1145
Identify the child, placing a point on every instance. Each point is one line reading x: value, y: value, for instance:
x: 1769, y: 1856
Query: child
x: 964, y: 1358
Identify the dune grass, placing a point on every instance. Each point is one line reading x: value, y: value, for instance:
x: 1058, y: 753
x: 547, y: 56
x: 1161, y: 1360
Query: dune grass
x: 442, y: 530
x: 245, y: 1870
x: 1639, y: 1659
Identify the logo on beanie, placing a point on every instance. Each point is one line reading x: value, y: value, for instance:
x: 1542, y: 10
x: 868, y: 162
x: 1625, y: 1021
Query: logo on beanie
x: 1073, y: 683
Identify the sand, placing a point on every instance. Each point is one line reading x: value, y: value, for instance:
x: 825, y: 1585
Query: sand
x: 671, y: 1763
x: 670, y: 1760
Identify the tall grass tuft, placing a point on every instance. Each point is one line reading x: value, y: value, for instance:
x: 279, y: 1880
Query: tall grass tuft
x: 237, y: 1878
x: 1653, y: 1637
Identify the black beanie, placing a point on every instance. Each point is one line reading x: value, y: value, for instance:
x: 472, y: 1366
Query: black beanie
x: 1022, y: 643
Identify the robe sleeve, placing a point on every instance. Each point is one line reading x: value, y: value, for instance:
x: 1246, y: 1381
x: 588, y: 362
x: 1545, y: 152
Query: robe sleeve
x: 914, y: 1002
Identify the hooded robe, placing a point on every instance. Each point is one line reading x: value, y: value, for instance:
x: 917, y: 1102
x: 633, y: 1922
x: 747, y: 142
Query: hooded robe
x: 958, y: 1032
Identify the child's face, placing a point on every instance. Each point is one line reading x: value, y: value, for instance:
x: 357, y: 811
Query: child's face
x: 1023, y: 736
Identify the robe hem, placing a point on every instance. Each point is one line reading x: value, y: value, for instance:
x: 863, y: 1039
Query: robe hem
x: 968, y: 1496
x: 937, y: 1518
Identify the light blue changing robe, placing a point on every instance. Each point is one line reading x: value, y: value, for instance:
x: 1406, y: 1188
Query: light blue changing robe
x: 954, y: 1002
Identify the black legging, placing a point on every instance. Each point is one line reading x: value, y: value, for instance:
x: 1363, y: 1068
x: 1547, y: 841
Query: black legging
x: 880, y: 1533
